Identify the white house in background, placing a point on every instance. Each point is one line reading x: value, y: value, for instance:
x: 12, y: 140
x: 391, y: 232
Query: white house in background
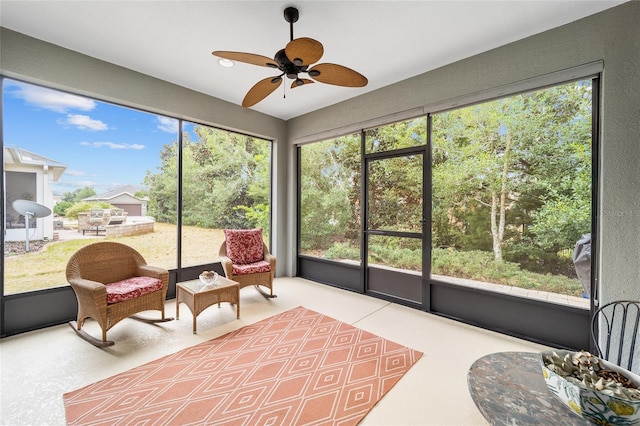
x: 123, y: 198
x: 28, y: 176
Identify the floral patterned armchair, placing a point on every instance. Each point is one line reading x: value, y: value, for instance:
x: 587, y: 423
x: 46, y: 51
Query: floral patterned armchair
x: 246, y: 259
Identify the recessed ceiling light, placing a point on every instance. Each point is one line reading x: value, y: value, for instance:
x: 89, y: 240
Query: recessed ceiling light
x: 225, y: 62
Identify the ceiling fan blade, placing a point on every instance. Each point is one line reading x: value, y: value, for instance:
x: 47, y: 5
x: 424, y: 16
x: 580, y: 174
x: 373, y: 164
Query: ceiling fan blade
x: 337, y: 75
x: 303, y: 80
x: 248, y: 58
x: 304, y: 51
x: 261, y: 90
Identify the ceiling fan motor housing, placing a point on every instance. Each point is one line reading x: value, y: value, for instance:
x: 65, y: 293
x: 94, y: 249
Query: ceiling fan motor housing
x: 286, y: 66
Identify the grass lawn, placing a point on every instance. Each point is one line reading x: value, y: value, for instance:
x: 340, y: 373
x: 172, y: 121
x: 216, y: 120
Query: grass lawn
x: 46, y: 268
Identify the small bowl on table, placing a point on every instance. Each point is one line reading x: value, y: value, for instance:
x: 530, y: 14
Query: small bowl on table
x: 597, y: 406
x: 208, y: 278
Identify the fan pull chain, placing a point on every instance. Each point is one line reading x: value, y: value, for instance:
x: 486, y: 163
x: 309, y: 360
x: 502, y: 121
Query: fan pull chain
x: 284, y: 91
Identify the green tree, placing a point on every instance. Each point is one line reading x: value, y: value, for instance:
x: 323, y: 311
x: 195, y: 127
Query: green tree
x: 226, y: 180
x: 395, y: 184
x: 70, y: 198
x: 523, y: 162
x: 330, y: 191
x: 60, y: 209
x: 83, y: 193
x: 163, y: 186
x: 143, y: 193
x: 79, y: 194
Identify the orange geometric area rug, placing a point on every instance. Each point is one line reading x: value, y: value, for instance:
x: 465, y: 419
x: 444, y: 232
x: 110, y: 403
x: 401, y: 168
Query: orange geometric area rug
x: 295, y: 368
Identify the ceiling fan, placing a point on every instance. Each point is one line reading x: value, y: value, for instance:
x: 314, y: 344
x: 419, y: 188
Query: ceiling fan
x: 296, y: 58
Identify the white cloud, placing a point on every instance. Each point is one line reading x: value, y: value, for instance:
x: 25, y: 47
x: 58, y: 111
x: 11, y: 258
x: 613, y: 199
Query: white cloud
x: 66, y: 185
x: 113, y: 145
x: 74, y: 173
x: 84, y: 122
x: 50, y: 99
x: 168, y: 125
x: 84, y: 183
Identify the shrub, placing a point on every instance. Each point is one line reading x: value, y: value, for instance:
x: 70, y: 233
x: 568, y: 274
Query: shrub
x: 474, y: 265
x: 404, y: 258
x: 60, y: 209
x: 85, y: 206
x: 343, y: 251
x: 480, y: 266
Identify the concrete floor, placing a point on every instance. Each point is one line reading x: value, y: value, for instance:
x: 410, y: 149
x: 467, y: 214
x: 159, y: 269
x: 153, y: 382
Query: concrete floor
x: 39, y: 366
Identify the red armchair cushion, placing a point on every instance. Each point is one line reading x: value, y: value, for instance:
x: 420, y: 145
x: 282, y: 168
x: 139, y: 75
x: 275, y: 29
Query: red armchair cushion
x: 244, y: 246
x: 252, y: 268
x: 131, y: 288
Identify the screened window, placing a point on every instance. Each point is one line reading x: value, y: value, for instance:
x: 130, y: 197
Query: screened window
x: 512, y: 192
x: 399, y: 135
x: 85, y: 155
x: 226, y: 181
x: 330, y: 198
x: 78, y: 156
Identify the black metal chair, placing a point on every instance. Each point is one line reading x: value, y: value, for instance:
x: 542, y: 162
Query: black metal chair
x: 615, y: 329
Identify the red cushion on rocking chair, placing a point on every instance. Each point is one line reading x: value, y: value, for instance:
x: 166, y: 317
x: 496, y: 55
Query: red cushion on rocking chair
x: 252, y: 268
x: 131, y: 288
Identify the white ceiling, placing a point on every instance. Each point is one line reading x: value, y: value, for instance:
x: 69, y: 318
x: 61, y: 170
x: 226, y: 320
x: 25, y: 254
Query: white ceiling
x: 387, y: 41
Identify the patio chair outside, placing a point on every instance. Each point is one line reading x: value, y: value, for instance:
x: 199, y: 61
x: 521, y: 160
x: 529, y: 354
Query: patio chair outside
x: 116, y: 217
x: 96, y: 221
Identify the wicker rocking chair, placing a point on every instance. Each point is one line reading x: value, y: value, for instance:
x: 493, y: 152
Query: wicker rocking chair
x: 246, y: 259
x: 112, y: 281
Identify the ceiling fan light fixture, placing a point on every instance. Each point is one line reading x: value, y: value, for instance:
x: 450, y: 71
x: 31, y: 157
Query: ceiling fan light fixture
x: 275, y: 80
x: 314, y: 73
x: 225, y: 62
x: 299, y: 82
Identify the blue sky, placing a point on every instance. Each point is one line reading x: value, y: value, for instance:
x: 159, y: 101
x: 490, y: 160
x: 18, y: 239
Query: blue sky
x: 103, y: 145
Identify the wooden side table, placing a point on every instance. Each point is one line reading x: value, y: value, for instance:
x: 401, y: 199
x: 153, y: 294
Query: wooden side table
x: 197, y: 298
